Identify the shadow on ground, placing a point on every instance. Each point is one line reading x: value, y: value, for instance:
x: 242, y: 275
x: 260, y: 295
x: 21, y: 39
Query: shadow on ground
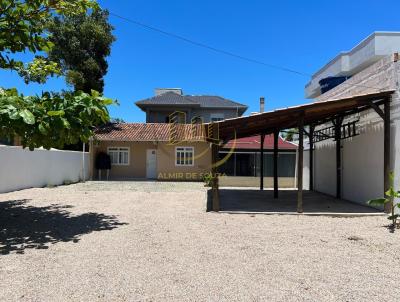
x: 245, y: 200
x: 23, y: 226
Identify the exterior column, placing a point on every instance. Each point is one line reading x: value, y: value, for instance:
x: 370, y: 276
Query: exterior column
x: 311, y: 140
x: 83, y: 163
x: 386, y: 146
x: 300, y: 166
x: 91, y: 159
x: 262, y: 162
x: 213, y: 131
x: 276, y: 188
x: 338, y: 137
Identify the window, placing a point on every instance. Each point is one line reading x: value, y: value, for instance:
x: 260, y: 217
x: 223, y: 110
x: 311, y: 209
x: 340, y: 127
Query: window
x: 215, y: 117
x: 119, y: 156
x: 184, y: 156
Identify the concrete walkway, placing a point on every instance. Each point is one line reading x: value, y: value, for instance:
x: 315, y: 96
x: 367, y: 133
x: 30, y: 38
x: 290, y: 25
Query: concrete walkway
x: 239, y: 200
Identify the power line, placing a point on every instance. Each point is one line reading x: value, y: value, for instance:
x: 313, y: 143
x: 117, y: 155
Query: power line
x: 224, y: 52
x: 202, y: 45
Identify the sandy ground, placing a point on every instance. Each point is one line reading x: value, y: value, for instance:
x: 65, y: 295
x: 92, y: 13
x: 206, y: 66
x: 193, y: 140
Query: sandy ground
x: 142, y: 241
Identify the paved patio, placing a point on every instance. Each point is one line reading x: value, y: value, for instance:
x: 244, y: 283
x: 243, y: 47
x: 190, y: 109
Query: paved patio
x: 239, y: 200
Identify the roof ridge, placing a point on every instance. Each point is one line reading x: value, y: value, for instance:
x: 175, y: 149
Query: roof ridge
x: 161, y: 95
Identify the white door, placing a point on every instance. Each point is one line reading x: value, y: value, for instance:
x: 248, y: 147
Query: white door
x: 151, y: 164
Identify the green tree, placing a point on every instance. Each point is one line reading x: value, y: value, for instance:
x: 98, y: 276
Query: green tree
x: 117, y: 120
x: 289, y: 134
x: 81, y: 44
x: 52, y: 119
x: 23, y: 27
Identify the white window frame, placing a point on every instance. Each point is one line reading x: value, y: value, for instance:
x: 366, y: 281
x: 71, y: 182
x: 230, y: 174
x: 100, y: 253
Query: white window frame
x: 217, y: 116
x: 185, y: 149
x: 119, y: 150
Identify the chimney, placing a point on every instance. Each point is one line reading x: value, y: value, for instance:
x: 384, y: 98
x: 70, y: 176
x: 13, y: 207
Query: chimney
x: 262, y: 103
x: 159, y: 91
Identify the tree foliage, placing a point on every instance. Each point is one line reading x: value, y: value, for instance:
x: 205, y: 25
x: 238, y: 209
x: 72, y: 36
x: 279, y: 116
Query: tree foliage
x: 290, y: 133
x: 53, y: 119
x: 81, y: 44
x: 23, y: 27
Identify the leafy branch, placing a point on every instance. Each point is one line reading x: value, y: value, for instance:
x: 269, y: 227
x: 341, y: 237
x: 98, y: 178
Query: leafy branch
x: 391, y: 194
x: 52, y: 119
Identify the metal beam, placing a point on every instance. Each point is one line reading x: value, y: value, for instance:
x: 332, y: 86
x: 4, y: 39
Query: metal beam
x: 276, y: 188
x: 300, y: 166
x: 262, y: 162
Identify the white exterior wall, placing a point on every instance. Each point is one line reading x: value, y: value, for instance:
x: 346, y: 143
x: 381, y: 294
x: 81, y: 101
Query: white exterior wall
x: 362, y: 156
x: 306, y: 170
x: 362, y: 165
x: 325, y: 167
x: 21, y: 168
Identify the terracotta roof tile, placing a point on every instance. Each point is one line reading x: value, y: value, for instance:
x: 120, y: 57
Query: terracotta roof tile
x: 253, y: 142
x: 150, y: 132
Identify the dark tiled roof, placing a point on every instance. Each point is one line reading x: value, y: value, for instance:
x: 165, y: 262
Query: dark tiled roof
x: 205, y: 101
x: 168, y: 98
x: 150, y: 132
x: 213, y: 101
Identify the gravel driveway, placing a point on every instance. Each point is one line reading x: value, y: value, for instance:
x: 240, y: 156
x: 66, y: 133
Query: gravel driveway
x: 147, y: 241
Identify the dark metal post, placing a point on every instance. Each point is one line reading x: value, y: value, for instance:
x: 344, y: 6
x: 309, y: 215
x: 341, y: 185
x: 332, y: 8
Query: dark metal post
x: 276, y: 188
x: 262, y: 162
x: 300, y: 166
x: 214, y: 169
x: 386, y: 156
x: 311, y: 140
x: 338, y: 136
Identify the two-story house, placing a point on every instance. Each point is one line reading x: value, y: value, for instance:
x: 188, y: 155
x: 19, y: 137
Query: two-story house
x: 198, y: 108
x: 147, y: 150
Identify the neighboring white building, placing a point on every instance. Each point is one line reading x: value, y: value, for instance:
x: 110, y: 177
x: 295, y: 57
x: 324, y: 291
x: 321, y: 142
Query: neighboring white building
x: 348, y: 63
x: 373, y: 65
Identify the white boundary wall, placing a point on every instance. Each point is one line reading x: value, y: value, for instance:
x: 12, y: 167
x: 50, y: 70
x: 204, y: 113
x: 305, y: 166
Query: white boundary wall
x: 21, y: 168
x: 362, y: 156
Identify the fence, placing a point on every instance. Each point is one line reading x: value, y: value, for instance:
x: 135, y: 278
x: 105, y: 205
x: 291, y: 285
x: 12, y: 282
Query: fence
x: 21, y: 168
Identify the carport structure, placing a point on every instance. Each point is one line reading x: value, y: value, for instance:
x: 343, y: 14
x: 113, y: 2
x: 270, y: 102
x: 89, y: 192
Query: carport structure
x: 306, y: 118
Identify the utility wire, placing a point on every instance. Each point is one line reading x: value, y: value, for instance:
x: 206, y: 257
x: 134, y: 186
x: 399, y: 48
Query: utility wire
x: 224, y: 52
x: 202, y: 45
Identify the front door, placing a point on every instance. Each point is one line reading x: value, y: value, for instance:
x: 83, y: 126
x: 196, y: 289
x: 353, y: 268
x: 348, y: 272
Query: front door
x: 151, y: 163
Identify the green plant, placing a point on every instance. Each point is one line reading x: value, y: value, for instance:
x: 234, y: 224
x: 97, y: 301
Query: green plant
x: 53, y: 119
x: 81, y: 44
x: 390, y: 194
x: 24, y: 27
x: 208, y: 179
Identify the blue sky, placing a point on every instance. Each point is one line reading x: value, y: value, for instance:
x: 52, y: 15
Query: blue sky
x: 301, y: 35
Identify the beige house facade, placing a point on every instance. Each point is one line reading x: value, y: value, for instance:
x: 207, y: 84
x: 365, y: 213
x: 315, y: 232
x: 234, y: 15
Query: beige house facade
x: 147, y: 151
